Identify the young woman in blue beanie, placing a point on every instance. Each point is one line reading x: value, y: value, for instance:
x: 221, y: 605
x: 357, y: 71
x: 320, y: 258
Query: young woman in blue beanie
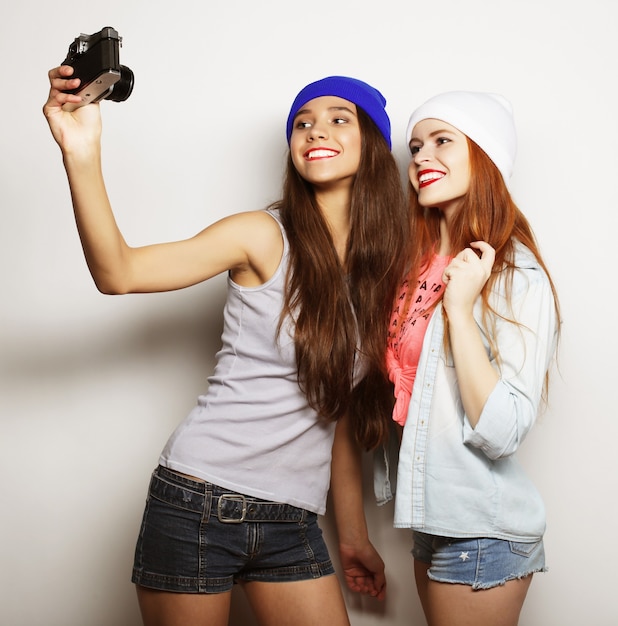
x: 240, y: 483
x: 472, y: 335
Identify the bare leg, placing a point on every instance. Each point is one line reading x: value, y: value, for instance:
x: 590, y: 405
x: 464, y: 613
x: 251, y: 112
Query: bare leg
x: 447, y: 604
x: 422, y: 582
x: 304, y: 603
x: 164, y: 608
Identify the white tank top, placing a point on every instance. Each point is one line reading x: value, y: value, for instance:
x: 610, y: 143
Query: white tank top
x: 253, y: 431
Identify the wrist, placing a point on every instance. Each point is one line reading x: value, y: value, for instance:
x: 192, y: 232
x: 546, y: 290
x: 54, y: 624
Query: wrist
x: 81, y: 157
x: 355, y: 537
x: 459, y: 318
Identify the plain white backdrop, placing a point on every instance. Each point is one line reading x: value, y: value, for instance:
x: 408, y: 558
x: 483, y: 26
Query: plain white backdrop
x: 92, y: 385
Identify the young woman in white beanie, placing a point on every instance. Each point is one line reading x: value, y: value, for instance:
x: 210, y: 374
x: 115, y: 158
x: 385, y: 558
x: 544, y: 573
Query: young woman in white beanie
x: 472, y: 336
x: 240, y: 483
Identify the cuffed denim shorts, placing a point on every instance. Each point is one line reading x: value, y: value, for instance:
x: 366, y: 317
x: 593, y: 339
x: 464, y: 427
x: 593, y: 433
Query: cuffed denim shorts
x: 199, y: 538
x: 481, y: 563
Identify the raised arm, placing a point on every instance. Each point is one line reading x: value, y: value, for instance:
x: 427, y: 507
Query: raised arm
x: 465, y: 277
x: 248, y: 244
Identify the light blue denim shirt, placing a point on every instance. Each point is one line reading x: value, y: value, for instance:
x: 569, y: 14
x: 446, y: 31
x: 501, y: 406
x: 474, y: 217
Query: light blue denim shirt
x: 457, y: 481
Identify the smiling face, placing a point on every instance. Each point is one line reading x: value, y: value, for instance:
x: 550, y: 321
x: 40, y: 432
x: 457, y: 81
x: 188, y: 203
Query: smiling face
x: 325, y: 144
x: 440, y: 167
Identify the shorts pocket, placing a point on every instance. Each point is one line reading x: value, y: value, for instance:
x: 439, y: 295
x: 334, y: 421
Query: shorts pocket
x: 181, y: 497
x: 523, y: 549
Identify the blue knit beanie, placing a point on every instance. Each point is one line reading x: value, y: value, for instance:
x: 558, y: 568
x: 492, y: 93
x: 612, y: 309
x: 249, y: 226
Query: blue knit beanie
x: 361, y: 94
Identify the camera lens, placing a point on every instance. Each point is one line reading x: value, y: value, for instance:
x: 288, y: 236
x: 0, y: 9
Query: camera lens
x: 123, y: 88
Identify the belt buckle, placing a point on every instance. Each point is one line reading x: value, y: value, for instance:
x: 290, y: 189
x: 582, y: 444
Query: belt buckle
x: 234, y: 497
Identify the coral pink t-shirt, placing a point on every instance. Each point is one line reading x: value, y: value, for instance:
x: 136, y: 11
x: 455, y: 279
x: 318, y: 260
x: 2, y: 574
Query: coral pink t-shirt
x: 406, y: 333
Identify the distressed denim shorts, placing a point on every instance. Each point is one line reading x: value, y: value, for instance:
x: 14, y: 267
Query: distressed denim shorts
x: 481, y: 563
x: 199, y: 538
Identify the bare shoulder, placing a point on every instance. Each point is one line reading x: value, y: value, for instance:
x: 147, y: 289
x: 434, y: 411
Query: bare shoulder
x: 263, y: 242
x: 262, y: 221
x: 258, y: 229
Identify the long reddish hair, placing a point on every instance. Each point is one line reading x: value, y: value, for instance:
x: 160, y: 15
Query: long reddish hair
x: 487, y: 213
x: 338, y: 307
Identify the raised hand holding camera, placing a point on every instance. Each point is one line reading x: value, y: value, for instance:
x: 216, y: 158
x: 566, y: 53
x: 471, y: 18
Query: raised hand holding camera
x: 95, y: 60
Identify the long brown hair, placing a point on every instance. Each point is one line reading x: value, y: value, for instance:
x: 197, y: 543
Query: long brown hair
x: 338, y: 307
x: 487, y: 213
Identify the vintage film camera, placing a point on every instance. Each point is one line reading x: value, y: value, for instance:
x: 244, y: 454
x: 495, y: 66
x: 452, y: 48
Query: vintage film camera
x: 96, y: 62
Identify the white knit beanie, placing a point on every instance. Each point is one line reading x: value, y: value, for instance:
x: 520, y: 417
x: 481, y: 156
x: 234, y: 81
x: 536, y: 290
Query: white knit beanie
x: 486, y: 118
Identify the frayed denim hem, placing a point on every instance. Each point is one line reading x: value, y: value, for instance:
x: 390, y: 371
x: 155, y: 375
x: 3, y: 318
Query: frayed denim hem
x: 478, y: 586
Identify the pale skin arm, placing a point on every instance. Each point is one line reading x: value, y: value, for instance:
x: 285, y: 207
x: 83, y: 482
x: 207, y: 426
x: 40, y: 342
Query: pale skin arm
x: 363, y: 568
x: 465, y: 276
x: 248, y: 244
